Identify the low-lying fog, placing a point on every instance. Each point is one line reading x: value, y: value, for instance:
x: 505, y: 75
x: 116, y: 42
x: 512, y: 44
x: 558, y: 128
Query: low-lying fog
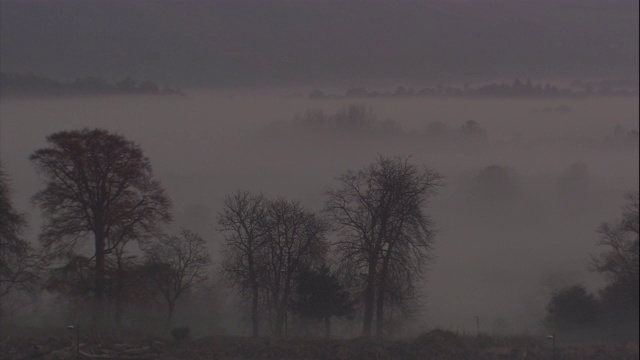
x: 499, y: 256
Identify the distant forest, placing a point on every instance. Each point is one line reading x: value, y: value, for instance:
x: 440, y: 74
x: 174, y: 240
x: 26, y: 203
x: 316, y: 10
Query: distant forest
x: 518, y: 88
x: 32, y: 85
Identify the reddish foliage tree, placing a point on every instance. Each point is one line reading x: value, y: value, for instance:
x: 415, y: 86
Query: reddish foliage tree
x: 97, y: 184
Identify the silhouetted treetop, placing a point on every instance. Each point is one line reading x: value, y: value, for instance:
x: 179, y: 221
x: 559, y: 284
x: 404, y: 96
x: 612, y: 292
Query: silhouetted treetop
x: 97, y: 184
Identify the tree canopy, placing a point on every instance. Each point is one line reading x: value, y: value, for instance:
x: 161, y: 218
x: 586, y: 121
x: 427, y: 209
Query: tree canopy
x: 100, y: 185
x: 321, y: 296
x: 179, y: 265
x: 384, y: 232
x: 571, y: 308
x: 620, y: 260
x: 17, y: 259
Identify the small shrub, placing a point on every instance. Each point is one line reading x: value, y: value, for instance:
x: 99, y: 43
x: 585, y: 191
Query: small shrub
x: 180, y: 333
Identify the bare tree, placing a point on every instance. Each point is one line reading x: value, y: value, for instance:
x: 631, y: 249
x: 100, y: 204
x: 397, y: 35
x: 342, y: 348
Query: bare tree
x: 295, y: 240
x: 243, y: 220
x: 620, y: 262
x: 409, y: 234
x: 383, y: 228
x: 18, y: 262
x: 99, y: 184
x: 179, y: 265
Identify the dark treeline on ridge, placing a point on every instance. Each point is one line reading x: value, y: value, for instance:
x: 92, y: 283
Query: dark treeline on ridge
x: 362, y: 121
x: 517, y: 89
x: 30, y: 85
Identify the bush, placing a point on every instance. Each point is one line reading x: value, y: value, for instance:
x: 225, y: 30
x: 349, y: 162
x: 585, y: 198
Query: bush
x: 572, y: 308
x: 180, y: 333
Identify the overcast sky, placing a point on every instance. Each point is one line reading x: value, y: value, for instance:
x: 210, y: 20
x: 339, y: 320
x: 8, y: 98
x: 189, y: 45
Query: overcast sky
x: 213, y: 43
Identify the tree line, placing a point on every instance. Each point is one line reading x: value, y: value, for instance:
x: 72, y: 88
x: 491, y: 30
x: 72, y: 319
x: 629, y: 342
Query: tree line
x: 575, y: 311
x: 517, y: 89
x: 360, y: 120
x: 100, y: 199
x: 13, y: 84
x: 104, y: 248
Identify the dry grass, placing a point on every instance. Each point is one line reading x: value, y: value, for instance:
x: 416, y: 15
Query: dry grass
x: 436, y: 344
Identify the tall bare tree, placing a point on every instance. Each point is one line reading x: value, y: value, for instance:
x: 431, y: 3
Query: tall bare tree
x: 620, y: 262
x: 18, y: 262
x: 179, y: 265
x: 243, y: 219
x: 409, y: 234
x: 97, y: 184
x: 384, y: 231
x: 295, y: 240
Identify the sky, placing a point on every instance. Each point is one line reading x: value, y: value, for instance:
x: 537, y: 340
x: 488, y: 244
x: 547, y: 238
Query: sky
x: 220, y: 43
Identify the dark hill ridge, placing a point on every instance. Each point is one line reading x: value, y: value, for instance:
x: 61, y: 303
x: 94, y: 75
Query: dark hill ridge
x: 517, y: 89
x: 211, y: 43
x: 29, y: 85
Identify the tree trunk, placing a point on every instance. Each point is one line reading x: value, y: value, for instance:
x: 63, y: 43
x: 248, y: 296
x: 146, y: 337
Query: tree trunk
x: 381, y: 291
x: 276, y: 328
x: 327, y: 327
x: 119, y: 312
x: 283, y: 307
x: 286, y: 323
x: 172, y: 306
x: 383, y: 285
x: 369, y: 297
x: 119, y: 288
x: 280, y: 319
x: 254, y: 310
x: 380, y: 309
x: 98, y: 306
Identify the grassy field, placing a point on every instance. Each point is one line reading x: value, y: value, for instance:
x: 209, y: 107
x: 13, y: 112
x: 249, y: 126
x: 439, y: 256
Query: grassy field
x: 435, y: 344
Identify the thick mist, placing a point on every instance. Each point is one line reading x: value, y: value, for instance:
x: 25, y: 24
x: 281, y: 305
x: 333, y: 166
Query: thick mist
x: 500, y: 249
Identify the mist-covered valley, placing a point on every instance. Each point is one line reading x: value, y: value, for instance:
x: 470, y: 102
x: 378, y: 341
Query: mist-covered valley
x: 525, y: 186
x: 294, y: 179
